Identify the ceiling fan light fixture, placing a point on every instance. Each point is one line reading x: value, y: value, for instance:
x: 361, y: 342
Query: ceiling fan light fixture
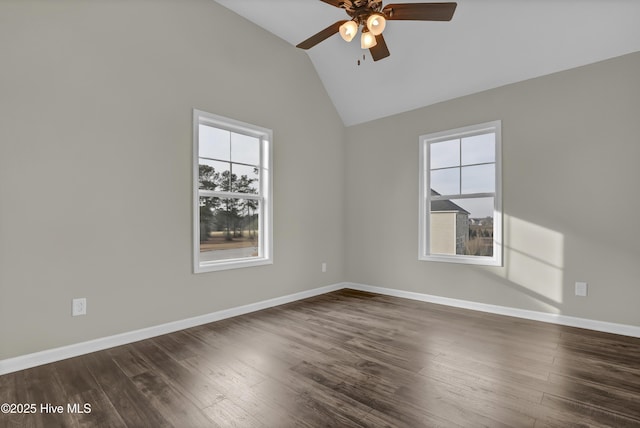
x: 376, y: 23
x: 372, y: 16
x: 368, y: 40
x: 348, y: 30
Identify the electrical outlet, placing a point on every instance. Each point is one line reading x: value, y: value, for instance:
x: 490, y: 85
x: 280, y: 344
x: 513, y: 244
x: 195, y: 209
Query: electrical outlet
x: 79, y: 307
x: 324, y: 267
x: 581, y: 289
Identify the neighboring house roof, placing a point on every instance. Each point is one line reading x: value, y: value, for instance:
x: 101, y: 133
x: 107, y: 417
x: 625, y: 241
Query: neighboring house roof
x: 445, y: 205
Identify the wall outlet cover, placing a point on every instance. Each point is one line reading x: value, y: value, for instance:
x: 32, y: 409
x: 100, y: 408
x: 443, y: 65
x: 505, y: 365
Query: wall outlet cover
x: 79, y: 307
x: 581, y: 289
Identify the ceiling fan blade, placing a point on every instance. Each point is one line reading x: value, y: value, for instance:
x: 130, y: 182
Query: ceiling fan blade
x: 322, y: 35
x: 420, y: 11
x: 380, y: 50
x: 336, y: 3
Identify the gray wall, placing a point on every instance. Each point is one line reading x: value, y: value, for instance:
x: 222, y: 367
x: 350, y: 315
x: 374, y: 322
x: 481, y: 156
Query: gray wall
x: 570, y: 177
x: 96, y: 106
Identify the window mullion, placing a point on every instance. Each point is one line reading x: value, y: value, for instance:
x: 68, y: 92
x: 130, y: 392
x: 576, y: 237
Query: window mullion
x: 460, y: 165
x: 463, y: 196
x: 221, y: 194
x: 226, y: 161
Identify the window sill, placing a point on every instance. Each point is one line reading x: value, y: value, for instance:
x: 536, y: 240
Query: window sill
x: 231, y: 264
x: 468, y: 260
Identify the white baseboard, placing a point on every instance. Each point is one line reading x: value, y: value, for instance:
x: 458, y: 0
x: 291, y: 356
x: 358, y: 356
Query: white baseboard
x: 607, y: 327
x: 51, y: 355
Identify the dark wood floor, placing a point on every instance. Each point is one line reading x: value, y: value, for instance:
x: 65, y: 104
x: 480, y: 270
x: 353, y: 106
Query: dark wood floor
x: 346, y: 359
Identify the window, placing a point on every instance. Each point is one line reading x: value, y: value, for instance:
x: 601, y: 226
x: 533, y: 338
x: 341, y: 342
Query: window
x: 232, y: 178
x: 460, y: 195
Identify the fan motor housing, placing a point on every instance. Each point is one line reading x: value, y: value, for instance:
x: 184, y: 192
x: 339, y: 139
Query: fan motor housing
x: 359, y: 9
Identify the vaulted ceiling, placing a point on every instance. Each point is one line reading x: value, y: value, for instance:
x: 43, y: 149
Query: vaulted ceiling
x: 488, y: 43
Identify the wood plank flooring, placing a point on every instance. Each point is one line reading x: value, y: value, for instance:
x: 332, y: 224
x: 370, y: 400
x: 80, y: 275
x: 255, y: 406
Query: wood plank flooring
x: 346, y: 359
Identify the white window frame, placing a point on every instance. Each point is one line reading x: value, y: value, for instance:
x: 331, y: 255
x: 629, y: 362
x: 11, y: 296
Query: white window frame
x: 424, y: 251
x: 264, y: 195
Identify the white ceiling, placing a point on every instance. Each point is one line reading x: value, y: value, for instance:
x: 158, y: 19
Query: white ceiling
x: 488, y: 43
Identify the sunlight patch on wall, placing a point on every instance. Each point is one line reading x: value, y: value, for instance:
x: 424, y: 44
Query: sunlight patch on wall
x: 535, y: 257
x: 534, y: 260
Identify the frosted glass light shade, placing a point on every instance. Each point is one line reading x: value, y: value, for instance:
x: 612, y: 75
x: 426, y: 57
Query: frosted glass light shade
x: 348, y: 30
x: 368, y: 40
x: 376, y: 24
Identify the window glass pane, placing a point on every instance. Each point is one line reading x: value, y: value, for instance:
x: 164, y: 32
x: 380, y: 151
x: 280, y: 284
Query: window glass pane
x: 444, y: 154
x: 479, y: 238
x: 214, y: 175
x: 447, y: 224
x: 228, y: 228
x: 478, y: 179
x: 208, y: 176
x: 479, y: 149
x: 214, y: 143
x: 244, y: 179
x: 462, y: 226
x: 245, y: 149
x: 478, y: 208
x: 446, y: 181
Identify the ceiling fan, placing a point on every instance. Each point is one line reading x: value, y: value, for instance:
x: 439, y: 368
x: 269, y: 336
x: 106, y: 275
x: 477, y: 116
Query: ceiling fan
x: 372, y: 16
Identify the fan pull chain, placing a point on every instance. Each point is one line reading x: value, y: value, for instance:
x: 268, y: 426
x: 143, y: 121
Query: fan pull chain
x: 363, y: 58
